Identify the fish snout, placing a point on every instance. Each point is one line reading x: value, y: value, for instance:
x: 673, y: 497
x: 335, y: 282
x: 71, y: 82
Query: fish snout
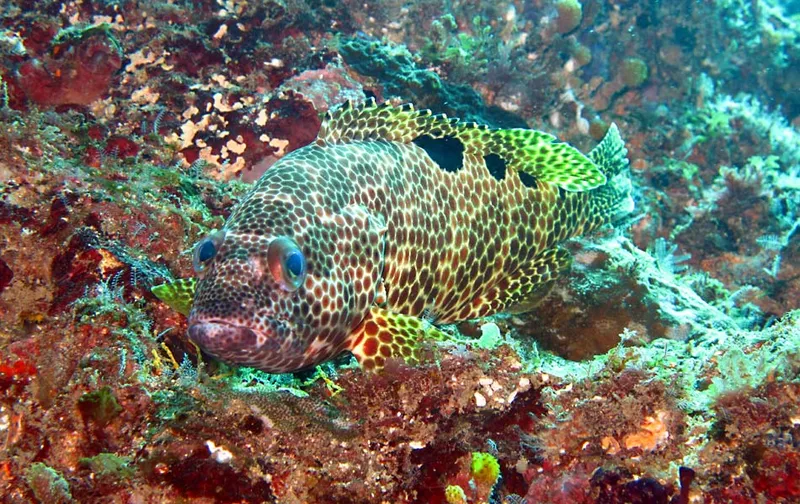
x: 221, y: 339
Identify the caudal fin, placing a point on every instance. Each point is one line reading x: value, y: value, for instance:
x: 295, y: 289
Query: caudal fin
x: 612, y: 200
x: 610, y: 155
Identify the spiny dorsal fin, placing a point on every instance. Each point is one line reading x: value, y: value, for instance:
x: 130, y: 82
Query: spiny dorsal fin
x: 534, y: 152
x: 371, y: 121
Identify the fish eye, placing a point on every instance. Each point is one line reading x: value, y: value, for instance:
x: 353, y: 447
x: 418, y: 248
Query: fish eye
x: 205, y: 250
x: 295, y: 264
x: 286, y: 263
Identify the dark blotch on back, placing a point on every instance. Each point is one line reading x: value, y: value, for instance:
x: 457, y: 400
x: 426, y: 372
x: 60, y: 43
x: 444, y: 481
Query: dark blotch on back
x: 527, y: 180
x: 447, y: 152
x: 496, y: 166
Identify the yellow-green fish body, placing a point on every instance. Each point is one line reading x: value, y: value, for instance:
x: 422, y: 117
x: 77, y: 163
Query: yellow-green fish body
x: 350, y: 242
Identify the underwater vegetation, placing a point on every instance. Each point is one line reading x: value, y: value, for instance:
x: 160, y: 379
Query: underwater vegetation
x: 660, y: 367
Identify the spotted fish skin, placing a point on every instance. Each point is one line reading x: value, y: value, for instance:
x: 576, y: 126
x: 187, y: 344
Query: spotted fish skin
x: 389, y: 238
x: 309, y: 196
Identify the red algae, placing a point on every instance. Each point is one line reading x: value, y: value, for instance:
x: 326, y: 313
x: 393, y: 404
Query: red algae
x: 121, y: 147
x: 72, y: 73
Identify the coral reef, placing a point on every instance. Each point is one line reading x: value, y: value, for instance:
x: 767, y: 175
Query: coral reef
x: 662, y: 368
x: 76, y: 69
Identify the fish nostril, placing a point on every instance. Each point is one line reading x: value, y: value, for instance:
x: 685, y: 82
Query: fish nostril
x: 257, y: 267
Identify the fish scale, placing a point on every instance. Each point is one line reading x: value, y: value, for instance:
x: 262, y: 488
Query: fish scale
x: 391, y: 242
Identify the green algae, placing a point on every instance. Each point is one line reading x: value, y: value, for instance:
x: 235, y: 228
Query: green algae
x: 465, y: 55
x: 173, y: 403
x: 109, y: 465
x: 106, y: 306
x: 490, y: 338
x: 99, y: 406
x: 244, y: 380
x: 47, y: 484
x: 80, y: 32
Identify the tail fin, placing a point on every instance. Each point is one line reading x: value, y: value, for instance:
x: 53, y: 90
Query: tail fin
x: 610, y: 155
x: 613, y: 199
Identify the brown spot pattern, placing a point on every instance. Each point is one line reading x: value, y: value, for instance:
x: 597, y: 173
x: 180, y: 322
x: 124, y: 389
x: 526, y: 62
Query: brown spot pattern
x: 378, y: 220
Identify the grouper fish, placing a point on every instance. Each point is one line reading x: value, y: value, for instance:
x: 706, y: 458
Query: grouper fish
x: 392, y: 223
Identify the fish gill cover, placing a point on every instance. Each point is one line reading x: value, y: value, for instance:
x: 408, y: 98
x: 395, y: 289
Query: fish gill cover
x: 554, y: 317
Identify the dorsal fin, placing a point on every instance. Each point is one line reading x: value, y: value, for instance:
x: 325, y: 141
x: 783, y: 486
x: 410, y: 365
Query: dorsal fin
x: 370, y: 121
x: 534, y: 152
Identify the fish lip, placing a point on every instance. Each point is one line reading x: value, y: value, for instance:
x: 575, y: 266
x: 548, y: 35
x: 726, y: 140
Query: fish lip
x: 220, y: 337
x: 221, y: 323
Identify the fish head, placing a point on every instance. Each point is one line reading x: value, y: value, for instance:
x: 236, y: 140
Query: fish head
x: 284, y: 283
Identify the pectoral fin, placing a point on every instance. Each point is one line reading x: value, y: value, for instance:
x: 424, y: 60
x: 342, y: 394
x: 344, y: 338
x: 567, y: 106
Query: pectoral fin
x: 178, y: 295
x: 384, y: 335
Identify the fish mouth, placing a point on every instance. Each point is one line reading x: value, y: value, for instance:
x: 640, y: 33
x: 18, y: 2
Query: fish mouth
x: 242, y: 345
x: 224, y: 339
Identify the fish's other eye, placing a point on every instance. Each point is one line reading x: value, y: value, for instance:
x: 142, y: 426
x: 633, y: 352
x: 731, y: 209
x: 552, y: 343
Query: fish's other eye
x: 205, y: 250
x: 286, y: 263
